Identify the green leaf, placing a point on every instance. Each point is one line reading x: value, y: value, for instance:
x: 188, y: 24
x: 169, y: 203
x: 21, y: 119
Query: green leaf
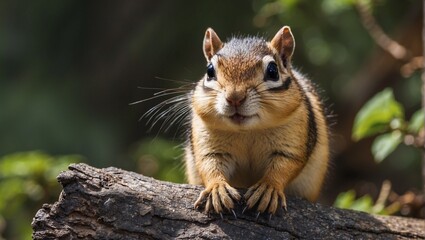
x: 348, y: 200
x: 376, y: 115
x: 345, y: 199
x: 386, y: 144
x: 363, y: 204
x: 417, y: 121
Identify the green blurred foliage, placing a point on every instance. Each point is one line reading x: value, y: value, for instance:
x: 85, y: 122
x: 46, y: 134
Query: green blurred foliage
x: 385, y: 144
x: 384, y: 115
x: 377, y: 115
x: 161, y: 159
x: 417, y: 121
x: 348, y: 200
x: 27, y: 180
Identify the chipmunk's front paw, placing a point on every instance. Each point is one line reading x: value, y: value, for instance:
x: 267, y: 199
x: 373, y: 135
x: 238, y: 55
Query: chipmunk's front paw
x: 217, y: 197
x: 267, y: 196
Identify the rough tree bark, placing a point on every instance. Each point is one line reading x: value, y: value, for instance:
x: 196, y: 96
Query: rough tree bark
x: 115, y: 204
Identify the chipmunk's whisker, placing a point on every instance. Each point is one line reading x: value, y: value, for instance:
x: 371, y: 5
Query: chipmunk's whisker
x: 185, y: 81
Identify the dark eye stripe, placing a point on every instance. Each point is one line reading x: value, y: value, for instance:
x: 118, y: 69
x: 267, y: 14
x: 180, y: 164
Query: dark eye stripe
x: 285, y: 85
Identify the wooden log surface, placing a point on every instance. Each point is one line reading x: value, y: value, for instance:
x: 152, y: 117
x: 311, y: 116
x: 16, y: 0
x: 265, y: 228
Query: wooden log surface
x: 112, y: 203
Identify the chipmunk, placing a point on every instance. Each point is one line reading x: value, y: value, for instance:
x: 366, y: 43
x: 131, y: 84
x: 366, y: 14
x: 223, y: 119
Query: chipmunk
x: 255, y: 123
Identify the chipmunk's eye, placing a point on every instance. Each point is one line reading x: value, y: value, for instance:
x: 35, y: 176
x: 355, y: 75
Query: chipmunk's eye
x: 210, y: 72
x: 272, y: 72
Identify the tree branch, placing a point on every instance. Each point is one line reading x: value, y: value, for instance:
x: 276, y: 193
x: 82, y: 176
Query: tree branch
x: 383, y: 40
x: 115, y: 204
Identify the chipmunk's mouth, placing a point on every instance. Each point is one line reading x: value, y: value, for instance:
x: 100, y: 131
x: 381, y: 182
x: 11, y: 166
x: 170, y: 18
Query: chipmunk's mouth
x: 239, y: 118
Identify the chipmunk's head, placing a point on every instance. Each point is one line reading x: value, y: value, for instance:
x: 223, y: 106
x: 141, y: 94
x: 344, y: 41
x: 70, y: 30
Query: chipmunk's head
x: 248, y: 82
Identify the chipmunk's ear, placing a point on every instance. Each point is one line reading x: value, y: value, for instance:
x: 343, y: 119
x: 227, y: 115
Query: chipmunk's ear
x: 284, y: 43
x: 212, y: 44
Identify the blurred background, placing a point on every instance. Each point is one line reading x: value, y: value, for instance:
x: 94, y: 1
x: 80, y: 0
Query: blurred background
x: 70, y: 69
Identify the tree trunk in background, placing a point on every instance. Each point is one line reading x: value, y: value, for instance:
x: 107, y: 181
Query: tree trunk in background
x: 423, y: 89
x: 115, y: 204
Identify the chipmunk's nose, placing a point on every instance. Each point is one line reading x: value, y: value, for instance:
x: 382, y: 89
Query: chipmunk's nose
x: 235, y: 99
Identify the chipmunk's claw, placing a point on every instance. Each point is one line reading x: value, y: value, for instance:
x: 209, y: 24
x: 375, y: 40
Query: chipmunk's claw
x: 258, y: 215
x: 244, y: 209
x: 270, y: 216
x: 234, y: 214
x: 284, y: 206
x: 265, y: 196
x: 218, y: 198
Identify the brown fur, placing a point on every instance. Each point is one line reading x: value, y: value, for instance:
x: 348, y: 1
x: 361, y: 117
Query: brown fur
x: 283, y: 146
